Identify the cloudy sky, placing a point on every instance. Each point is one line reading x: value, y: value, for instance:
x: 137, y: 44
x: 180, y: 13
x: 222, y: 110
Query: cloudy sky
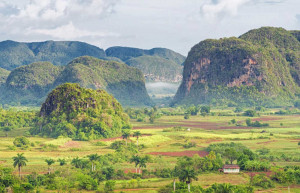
x: 174, y: 24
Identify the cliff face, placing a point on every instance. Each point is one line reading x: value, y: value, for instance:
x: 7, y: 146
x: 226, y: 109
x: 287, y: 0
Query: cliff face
x: 30, y: 84
x: 260, y: 67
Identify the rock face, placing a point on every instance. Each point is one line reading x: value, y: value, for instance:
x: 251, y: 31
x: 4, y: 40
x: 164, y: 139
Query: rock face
x: 157, y: 64
x: 260, y: 67
x: 79, y: 113
x: 30, y: 84
x: 14, y: 54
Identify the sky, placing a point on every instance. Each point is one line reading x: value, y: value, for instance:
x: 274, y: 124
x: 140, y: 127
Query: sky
x: 173, y: 24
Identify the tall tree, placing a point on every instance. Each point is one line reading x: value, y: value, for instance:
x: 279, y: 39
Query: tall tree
x: 49, y: 163
x: 19, y: 161
x: 136, y: 160
x: 126, y: 135
x: 137, y: 134
x: 231, y: 154
x: 93, y: 158
x: 187, y: 175
x: 143, y: 161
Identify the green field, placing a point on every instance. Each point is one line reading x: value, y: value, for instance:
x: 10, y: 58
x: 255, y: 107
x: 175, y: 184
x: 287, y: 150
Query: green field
x: 280, y: 137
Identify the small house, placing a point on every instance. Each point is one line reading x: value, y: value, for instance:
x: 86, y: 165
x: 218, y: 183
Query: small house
x: 231, y: 169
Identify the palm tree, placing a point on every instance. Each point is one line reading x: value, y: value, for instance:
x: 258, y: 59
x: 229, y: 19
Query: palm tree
x: 49, y: 162
x: 93, y: 158
x: 187, y: 175
x: 137, y: 134
x: 77, y: 162
x: 136, y: 159
x: 19, y: 161
x: 126, y: 135
x: 62, y: 162
x: 143, y: 162
x: 174, y: 174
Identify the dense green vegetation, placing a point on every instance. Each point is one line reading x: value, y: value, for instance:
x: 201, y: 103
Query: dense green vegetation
x: 29, y: 85
x: 151, y: 157
x: 15, y: 54
x: 125, y: 83
x: 3, y: 75
x: 79, y: 113
x: 260, y: 67
x: 12, y: 119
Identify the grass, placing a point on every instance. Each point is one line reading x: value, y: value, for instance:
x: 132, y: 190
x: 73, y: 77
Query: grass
x: 282, y: 136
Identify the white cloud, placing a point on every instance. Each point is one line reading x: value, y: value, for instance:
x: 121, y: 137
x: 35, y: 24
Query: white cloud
x: 69, y: 31
x: 215, y: 9
x: 63, y: 19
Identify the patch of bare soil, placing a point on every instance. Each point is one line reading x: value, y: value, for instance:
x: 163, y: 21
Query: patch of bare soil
x: 266, y: 142
x: 114, y: 138
x: 71, y: 144
x: 181, y: 153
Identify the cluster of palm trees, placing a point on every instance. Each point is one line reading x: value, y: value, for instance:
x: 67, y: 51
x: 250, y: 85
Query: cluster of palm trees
x: 140, y: 162
x: 20, y: 161
x: 126, y: 135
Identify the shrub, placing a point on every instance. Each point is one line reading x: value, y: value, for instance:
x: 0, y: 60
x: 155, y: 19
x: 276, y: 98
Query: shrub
x: 100, y: 143
x: 250, y: 113
x: 21, y: 142
x: 189, y: 145
x: 263, y: 181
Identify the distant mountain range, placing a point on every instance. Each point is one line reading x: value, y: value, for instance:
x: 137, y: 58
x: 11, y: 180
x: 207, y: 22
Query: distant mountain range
x: 261, y: 67
x: 157, y: 64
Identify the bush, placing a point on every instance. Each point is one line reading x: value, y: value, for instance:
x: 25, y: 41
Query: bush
x: 255, y: 124
x: 263, y: 181
x: 21, y: 142
x: 109, y: 186
x: 100, y: 143
x: 189, y: 145
x: 250, y: 113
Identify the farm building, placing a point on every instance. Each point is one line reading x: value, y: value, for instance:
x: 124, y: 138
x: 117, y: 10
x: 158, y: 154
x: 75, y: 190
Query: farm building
x: 231, y: 169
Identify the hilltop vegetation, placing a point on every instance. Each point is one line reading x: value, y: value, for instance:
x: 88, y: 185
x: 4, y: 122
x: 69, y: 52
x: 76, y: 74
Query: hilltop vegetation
x: 79, y: 113
x: 15, y: 54
x: 30, y: 84
x: 260, y: 67
x: 3, y: 75
x: 157, y: 64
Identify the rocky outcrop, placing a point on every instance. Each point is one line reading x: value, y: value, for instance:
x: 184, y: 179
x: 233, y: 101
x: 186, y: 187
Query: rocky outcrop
x: 241, y: 70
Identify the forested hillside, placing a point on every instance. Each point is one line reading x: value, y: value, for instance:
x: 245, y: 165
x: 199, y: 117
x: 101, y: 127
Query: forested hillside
x: 29, y: 85
x: 79, y: 113
x: 261, y: 67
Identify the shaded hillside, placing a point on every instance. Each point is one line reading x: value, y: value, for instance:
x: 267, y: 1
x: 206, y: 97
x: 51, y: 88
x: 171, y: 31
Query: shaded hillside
x: 80, y: 113
x: 125, y: 83
x: 157, y: 69
x: 3, y: 75
x: 157, y: 64
x: 30, y: 84
x: 259, y: 68
x: 15, y: 54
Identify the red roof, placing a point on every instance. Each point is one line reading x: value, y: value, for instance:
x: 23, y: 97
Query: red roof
x: 231, y: 167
